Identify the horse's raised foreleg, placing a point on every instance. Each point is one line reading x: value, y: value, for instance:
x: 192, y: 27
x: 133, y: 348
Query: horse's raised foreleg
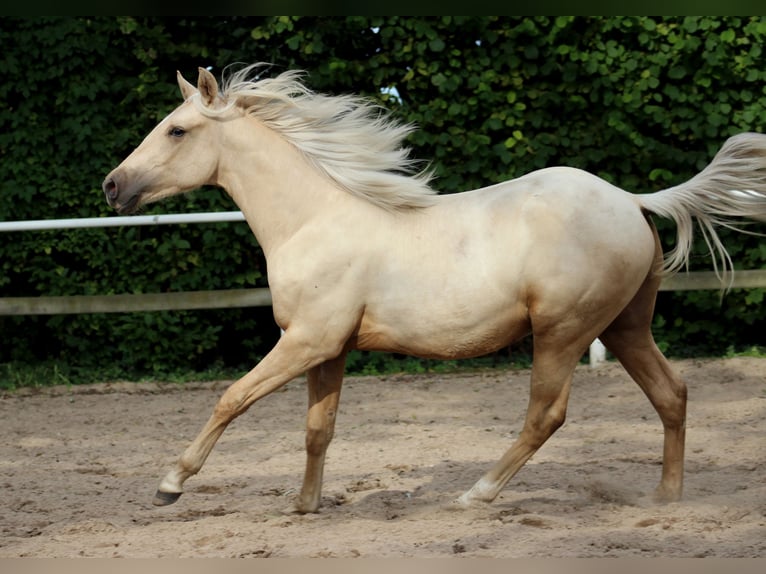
x: 552, y: 372
x: 324, y: 384
x: 290, y: 357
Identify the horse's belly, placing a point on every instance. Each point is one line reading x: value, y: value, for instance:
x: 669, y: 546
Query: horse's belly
x: 440, y: 335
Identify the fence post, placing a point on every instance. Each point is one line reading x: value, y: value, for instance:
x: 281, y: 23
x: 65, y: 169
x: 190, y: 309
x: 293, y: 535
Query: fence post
x: 597, y: 353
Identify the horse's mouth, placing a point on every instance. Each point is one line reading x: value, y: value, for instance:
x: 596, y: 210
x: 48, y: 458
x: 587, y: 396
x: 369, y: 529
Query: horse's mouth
x: 130, y: 206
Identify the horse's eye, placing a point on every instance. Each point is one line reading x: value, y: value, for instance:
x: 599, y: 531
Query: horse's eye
x: 176, y: 132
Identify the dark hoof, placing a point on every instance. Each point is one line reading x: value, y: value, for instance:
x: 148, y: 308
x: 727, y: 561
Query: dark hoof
x: 165, y: 498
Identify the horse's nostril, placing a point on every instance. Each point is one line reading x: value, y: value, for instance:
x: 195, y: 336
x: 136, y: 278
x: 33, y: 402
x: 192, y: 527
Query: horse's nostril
x: 110, y: 189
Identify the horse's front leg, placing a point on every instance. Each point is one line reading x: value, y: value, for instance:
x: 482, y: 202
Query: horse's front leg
x: 290, y: 357
x: 324, y: 384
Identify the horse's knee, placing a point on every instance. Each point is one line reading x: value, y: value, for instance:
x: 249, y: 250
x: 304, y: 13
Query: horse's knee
x: 228, y: 407
x: 555, y: 417
x: 539, y: 428
x: 671, y: 405
x: 317, y: 440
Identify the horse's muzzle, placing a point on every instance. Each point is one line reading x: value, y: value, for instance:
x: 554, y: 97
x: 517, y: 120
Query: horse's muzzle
x: 123, y: 200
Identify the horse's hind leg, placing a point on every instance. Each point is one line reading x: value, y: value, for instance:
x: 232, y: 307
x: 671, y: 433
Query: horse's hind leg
x: 629, y: 338
x: 555, y: 359
x: 324, y: 384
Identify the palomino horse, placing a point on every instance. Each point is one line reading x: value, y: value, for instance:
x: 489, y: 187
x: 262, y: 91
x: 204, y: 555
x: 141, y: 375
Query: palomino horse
x: 363, y: 255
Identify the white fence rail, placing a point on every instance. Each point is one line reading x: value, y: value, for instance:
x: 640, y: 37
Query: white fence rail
x: 253, y: 297
x: 130, y: 220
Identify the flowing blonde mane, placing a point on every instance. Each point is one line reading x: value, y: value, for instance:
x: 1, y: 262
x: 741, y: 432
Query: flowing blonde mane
x: 352, y: 140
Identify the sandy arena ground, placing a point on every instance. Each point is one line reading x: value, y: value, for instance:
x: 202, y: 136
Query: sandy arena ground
x: 79, y: 467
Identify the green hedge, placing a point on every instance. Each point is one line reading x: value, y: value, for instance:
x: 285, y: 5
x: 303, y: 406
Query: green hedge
x: 643, y: 102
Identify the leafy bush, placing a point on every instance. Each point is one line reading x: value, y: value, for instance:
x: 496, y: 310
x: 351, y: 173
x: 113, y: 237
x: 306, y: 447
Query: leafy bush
x: 643, y: 102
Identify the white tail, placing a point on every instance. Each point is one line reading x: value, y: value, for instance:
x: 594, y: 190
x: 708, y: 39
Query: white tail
x: 730, y: 188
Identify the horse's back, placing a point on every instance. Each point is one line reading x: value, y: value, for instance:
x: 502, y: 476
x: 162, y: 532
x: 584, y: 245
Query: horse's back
x: 558, y: 211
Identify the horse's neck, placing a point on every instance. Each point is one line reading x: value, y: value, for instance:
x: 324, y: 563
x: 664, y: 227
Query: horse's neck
x: 278, y: 191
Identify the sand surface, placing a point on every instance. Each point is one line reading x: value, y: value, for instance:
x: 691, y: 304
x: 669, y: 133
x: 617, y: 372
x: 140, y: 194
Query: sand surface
x: 79, y: 467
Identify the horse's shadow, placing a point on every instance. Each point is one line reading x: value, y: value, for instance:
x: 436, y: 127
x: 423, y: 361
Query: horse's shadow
x: 543, y: 488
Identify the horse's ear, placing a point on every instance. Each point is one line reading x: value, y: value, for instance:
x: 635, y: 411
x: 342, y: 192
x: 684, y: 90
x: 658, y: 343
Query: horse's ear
x: 207, y: 86
x: 187, y: 88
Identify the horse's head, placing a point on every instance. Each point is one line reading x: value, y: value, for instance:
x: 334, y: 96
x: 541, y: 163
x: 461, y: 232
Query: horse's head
x: 178, y: 155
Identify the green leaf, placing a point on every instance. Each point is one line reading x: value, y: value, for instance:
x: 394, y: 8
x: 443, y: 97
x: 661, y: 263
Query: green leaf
x: 677, y: 72
x: 728, y: 35
x: 436, y: 45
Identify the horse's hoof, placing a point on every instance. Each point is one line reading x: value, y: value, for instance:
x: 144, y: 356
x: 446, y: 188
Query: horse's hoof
x: 455, y: 504
x: 165, y: 498
x: 464, y: 503
x: 298, y: 509
x: 664, y: 495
